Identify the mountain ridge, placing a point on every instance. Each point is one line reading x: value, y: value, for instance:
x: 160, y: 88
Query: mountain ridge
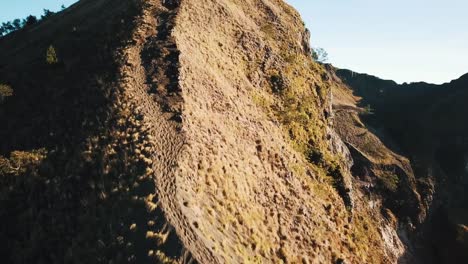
x: 196, y: 131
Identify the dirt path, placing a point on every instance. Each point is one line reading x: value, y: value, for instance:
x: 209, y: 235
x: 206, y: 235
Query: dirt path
x: 150, y: 80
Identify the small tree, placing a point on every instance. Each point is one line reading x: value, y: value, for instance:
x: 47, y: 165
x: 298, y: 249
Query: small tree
x: 17, y: 24
x: 47, y: 14
x: 319, y: 55
x: 7, y: 27
x: 30, y: 20
x: 51, y: 56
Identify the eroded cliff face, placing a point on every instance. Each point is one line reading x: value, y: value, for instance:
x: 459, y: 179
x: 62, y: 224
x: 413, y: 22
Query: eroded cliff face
x: 178, y: 131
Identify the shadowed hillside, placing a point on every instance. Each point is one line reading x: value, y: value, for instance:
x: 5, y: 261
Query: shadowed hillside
x: 427, y: 124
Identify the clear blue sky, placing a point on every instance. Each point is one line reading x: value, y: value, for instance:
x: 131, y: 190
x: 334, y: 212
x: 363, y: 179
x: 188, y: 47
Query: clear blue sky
x: 11, y: 9
x: 403, y: 40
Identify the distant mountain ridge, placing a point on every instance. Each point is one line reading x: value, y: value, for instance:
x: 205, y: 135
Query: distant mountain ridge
x: 428, y: 124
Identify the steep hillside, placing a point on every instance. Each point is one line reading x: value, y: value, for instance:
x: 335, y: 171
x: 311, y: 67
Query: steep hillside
x: 425, y: 123
x: 186, y: 131
x: 78, y: 140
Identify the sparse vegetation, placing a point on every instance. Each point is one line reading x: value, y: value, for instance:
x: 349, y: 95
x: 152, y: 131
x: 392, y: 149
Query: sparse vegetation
x: 298, y: 104
x: 299, y: 96
x: 389, y: 180
x: 21, y: 162
x: 289, y: 57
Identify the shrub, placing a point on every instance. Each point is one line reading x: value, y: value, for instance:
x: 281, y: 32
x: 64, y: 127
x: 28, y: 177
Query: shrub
x: 5, y: 91
x: 390, y: 181
x: 21, y: 161
x: 368, y: 110
x: 51, y: 55
x: 277, y: 83
x: 314, y: 156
